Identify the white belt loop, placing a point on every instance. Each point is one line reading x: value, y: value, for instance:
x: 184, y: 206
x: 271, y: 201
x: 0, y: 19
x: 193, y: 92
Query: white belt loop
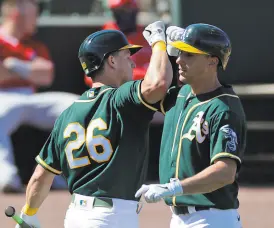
x: 191, y: 210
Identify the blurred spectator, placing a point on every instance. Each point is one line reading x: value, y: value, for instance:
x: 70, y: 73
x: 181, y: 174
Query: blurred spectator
x: 163, y: 11
x: 25, y: 64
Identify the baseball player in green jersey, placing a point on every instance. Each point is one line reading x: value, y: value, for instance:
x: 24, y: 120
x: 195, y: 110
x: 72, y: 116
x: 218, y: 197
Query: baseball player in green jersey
x: 204, y: 134
x: 99, y: 144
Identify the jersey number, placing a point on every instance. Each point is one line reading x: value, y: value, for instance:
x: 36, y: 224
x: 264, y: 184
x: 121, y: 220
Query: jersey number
x: 86, y: 136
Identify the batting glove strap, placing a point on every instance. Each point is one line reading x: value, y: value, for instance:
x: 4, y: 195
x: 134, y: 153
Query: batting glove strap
x: 175, y: 187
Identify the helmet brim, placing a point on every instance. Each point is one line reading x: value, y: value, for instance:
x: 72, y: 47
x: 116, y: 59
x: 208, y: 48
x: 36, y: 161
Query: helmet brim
x: 133, y: 48
x: 186, y: 47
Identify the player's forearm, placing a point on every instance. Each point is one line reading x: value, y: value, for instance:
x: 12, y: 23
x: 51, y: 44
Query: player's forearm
x: 158, y: 77
x: 31, y: 70
x: 210, y: 179
x: 38, y: 187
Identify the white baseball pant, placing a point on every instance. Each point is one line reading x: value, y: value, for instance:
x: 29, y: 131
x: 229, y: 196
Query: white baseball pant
x: 21, y: 106
x: 82, y: 214
x: 212, y: 218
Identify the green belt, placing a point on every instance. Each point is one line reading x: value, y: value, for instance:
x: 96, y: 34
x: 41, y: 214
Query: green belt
x: 178, y: 210
x: 99, y: 202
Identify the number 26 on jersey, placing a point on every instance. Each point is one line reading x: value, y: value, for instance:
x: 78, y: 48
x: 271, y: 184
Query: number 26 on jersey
x: 92, y: 142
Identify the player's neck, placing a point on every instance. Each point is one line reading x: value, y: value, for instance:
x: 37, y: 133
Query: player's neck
x: 104, y: 82
x: 206, y: 87
x: 97, y: 84
x: 10, y: 29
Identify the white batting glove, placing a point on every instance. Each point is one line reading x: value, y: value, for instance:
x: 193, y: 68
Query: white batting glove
x: 153, y: 193
x: 30, y: 220
x: 155, y: 32
x: 173, y: 33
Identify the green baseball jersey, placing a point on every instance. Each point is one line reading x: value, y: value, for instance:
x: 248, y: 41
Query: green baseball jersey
x: 100, y: 143
x: 197, y: 131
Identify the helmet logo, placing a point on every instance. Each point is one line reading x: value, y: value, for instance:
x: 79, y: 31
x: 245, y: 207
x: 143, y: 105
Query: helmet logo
x: 159, y: 30
x: 84, y: 65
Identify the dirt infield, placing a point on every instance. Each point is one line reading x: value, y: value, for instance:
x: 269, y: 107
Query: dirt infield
x: 256, y: 209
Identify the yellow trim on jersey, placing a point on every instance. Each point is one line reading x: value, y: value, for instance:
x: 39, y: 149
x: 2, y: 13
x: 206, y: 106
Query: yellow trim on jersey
x: 223, y: 155
x: 162, y: 108
x: 141, y: 99
x: 91, y: 100
x: 174, y: 139
x: 181, y: 138
x: 46, y: 166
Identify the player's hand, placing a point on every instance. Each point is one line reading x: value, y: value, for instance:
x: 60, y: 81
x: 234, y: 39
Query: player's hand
x: 30, y: 220
x: 155, y: 192
x: 173, y: 33
x: 155, y: 32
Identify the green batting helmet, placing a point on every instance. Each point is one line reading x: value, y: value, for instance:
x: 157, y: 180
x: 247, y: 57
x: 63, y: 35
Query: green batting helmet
x: 205, y: 39
x: 97, y: 46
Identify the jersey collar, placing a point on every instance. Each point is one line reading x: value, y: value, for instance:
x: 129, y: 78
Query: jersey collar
x: 220, y: 90
x: 94, y: 92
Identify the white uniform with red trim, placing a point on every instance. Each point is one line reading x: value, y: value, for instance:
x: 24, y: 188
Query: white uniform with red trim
x: 20, y: 105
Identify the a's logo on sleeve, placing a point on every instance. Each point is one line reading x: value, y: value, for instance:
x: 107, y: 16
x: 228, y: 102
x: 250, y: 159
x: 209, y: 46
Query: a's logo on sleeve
x: 231, y: 137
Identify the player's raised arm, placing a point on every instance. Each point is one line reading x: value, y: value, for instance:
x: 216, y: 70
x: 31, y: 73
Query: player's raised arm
x: 159, y: 74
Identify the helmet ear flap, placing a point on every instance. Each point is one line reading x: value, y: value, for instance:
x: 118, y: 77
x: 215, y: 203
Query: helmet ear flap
x: 90, y: 63
x: 94, y: 61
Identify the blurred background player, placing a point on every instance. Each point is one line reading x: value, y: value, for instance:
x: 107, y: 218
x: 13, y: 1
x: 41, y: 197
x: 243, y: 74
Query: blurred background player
x: 25, y: 64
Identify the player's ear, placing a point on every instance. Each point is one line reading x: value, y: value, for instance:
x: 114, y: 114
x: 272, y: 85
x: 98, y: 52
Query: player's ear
x: 111, y: 61
x: 213, y: 61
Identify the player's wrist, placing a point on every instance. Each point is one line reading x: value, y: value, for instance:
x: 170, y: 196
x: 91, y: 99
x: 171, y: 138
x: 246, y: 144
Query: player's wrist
x: 29, y: 210
x: 159, y: 45
x: 175, y: 187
